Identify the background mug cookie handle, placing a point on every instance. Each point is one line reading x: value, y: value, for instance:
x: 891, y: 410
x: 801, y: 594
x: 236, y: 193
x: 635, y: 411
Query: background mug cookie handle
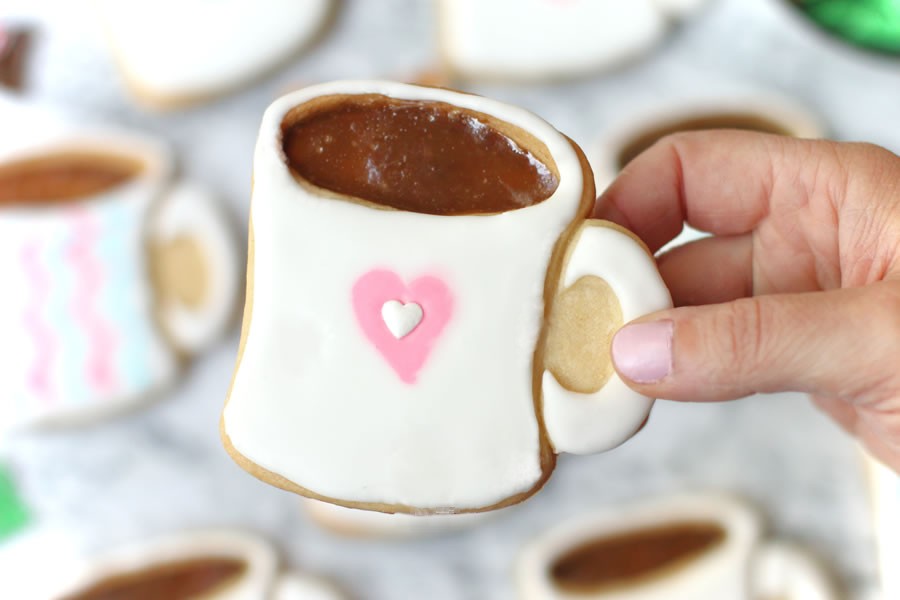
x: 191, y: 238
x: 584, y: 423
x: 297, y: 586
x: 781, y: 570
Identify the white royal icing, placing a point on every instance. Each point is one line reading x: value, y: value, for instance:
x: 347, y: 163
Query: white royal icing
x: 585, y: 423
x: 295, y: 586
x: 315, y: 401
x: 401, y: 318
x: 533, y: 39
x: 256, y: 583
x: 785, y: 570
x: 190, y: 211
x: 189, y: 48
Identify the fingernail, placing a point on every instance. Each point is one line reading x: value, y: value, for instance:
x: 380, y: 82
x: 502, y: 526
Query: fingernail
x: 642, y: 352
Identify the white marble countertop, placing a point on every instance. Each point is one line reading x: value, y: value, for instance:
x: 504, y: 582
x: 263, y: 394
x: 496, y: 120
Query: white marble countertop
x: 163, y: 468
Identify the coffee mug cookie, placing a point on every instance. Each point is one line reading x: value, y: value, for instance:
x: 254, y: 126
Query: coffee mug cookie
x: 528, y: 40
x: 702, y: 546
x: 639, y: 129
x: 175, y: 53
x: 213, y: 565
x: 114, y: 274
x: 429, y: 310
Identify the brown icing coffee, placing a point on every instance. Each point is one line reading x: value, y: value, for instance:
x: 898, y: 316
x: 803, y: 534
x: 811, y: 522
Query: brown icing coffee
x: 173, y: 581
x: 63, y: 177
x: 424, y: 157
x: 628, y: 558
x: 747, y: 122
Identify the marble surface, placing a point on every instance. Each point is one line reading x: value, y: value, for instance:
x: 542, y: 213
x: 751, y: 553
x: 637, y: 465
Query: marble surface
x: 163, y: 468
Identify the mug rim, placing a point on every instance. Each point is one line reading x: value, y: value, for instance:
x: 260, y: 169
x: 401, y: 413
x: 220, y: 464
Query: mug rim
x: 556, y: 149
x: 154, y: 160
x: 318, y: 105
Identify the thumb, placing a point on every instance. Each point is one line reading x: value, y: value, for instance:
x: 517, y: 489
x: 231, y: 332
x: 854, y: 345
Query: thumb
x: 841, y: 343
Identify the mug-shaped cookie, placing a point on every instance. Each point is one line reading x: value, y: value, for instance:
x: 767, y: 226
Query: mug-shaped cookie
x: 429, y: 311
x: 640, y: 129
x: 111, y: 275
x: 213, y: 565
x: 698, y: 546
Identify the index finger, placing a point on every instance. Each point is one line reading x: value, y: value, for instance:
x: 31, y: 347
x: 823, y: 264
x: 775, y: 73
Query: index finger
x: 717, y: 181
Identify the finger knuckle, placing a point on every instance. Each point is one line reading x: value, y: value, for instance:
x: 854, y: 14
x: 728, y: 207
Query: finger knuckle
x: 743, y: 343
x: 884, y: 309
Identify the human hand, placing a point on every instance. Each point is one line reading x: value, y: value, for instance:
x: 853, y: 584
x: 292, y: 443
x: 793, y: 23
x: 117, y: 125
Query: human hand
x: 798, y: 288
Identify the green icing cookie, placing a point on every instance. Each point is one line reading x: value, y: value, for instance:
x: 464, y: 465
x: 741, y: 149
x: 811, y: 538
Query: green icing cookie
x: 871, y: 24
x: 13, y: 514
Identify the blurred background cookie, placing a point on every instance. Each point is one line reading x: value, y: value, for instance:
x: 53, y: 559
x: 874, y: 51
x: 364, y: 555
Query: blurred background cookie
x: 700, y: 546
x: 640, y: 128
x: 181, y: 52
x: 212, y: 564
x: 114, y: 274
x: 533, y: 40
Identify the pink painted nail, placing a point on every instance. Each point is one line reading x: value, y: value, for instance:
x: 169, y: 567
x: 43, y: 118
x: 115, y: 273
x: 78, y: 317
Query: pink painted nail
x: 642, y: 352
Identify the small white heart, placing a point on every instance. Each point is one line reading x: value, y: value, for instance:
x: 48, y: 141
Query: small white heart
x: 401, y: 318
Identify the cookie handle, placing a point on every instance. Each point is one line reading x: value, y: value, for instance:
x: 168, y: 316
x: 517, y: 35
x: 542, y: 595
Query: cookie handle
x: 581, y: 423
x: 195, y: 265
x: 297, y: 586
x: 782, y: 570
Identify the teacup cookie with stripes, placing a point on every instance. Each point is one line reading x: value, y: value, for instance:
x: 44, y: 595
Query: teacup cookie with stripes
x: 114, y: 275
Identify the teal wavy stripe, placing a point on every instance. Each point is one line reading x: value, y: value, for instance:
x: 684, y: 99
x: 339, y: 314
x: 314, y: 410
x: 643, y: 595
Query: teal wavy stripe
x: 121, y: 303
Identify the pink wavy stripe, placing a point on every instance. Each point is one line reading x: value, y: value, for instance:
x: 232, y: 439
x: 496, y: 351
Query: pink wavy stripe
x: 89, y: 278
x: 39, y: 375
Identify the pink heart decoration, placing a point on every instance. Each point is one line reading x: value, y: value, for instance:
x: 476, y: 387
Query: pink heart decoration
x: 407, y: 354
